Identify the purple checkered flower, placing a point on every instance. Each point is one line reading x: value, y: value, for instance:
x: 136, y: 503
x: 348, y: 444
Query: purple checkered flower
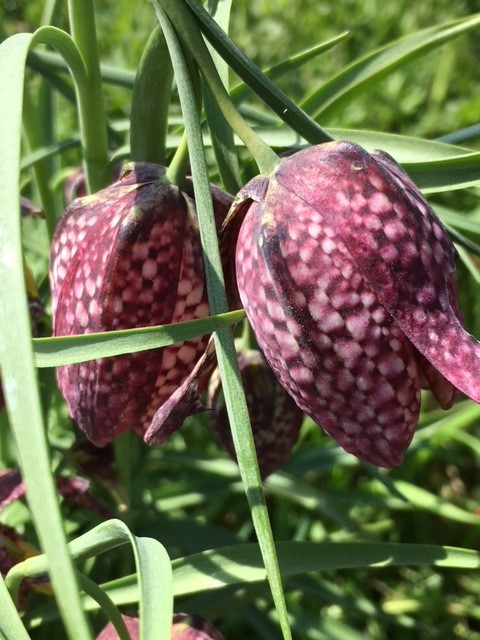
x: 345, y: 273
x: 128, y: 256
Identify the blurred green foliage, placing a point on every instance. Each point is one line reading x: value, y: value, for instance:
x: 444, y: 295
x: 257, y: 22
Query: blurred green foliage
x: 429, y: 98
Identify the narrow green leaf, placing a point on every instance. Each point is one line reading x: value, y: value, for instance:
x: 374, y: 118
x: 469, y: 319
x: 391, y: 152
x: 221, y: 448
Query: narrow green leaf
x: 154, y: 572
x: 43, y: 61
x: 224, y: 343
x: 223, y: 140
x: 433, y: 166
x: 470, y: 264
x: 291, y: 64
x: 285, y: 108
x: 369, y: 69
x: 16, y: 356
x: 242, y: 563
x: 11, y: 625
x: 62, y: 350
x: 467, y: 223
x: 105, y: 603
x: 463, y: 135
x: 427, y: 501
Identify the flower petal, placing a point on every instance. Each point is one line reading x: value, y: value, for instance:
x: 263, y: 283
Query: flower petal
x: 398, y: 245
x: 329, y: 341
x: 275, y: 418
x: 129, y: 256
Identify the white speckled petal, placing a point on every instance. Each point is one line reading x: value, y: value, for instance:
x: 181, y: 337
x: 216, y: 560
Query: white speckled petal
x: 130, y: 256
x: 334, y: 348
x: 398, y: 245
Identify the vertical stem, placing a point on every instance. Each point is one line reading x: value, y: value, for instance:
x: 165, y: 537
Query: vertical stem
x: 151, y: 101
x: 93, y: 123
x: 193, y: 41
x: 178, y: 165
x: 224, y: 343
x: 41, y: 169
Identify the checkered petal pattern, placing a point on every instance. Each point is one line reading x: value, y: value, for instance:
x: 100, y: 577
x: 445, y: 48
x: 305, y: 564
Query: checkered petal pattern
x: 128, y: 256
x: 345, y: 273
x: 274, y: 416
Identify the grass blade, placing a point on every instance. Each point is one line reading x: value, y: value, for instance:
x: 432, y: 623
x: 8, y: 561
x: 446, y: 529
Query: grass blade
x: 358, y: 76
x: 16, y: 356
x: 11, y: 626
x: 224, y: 344
x: 154, y: 572
x: 62, y: 350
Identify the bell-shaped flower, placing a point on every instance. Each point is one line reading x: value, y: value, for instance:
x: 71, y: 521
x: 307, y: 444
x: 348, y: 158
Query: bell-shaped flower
x: 345, y: 273
x: 274, y: 416
x: 128, y: 256
x: 184, y: 627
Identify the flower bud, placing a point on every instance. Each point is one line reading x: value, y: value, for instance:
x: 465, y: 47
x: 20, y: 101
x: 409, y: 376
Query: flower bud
x: 274, y: 416
x: 345, y: 273
x: 184, y: 627
x: 128, y: 256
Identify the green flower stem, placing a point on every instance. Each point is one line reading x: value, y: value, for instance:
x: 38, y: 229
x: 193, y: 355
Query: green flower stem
x: 177, y: 168
x: 41, y: 169
x: 151, y: 101
x: 106, y: 604
x: 224, y: 342
x: 192, y: 39
x: 91, y: 108
x: 223, y: 144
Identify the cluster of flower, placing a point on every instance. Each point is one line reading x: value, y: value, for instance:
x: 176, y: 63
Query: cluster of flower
x: 345, y: 274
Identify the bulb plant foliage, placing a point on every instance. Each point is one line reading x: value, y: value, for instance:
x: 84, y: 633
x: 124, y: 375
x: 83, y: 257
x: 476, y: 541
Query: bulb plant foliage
x: 347, y: 283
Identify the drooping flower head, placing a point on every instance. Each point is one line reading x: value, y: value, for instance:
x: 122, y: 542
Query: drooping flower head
x: 128, y: 256
x: 345, y: 273
x: 184, y: 627
x: 274, y: 416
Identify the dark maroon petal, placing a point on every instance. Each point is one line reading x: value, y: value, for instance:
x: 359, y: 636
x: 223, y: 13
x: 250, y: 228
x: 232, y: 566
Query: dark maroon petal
x: 274, y: 416
x: 11, y: 487
x: 129, y: 256
x: 73, y: 488
x: 28, y: 208
x: 396, y: 242
x: 184, y: 402
x: 76, y: 491
x: 94, y: 462
x: 14, y: 549
x: 10, y: 554
x: 184, y: 627
x: 330, y: 342
x: 131, y: 622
